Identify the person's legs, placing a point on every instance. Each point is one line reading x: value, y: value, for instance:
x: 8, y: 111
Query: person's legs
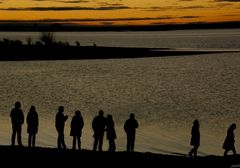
x: 29, y: 139
x: 95, y: 143
x: 79, y: 142
x: 234, y: 150
x: 100, y: 142
x: 14, y: 131
x: 19, y: 135
x: 74, y: 142
x: 33, y: 139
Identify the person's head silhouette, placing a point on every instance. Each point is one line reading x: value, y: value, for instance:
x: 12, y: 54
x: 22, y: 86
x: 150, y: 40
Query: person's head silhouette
x: 100, y: 113
x: 78, y: 113
x: 18, y: 104
x: 32, y: 109
x: 132, y: 116
x: 61, y: 109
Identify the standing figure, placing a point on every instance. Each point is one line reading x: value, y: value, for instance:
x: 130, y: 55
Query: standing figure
x: 32, y: 128
x: 76, y: 129
x: 111, y: 133
x: 130, y: 128
x: 59, y: 124
x: 98, y: 126
x: 17, y: 119
x: 229, y: 141
x: 195, y: 139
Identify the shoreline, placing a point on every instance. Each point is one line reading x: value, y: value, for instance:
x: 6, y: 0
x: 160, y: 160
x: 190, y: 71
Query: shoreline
x: 45, y: 52
x: 42, y: 155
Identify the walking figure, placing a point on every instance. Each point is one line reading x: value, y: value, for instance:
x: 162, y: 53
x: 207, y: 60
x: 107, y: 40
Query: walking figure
x: 130, y: 128
x: 229, y: 140
x: 98, y: 125
x: 17, y: 119
x: 111, y: 133
x: 195, y: 139
x: 32, y: 128
x: 59, y: 124
x: 76, y: 129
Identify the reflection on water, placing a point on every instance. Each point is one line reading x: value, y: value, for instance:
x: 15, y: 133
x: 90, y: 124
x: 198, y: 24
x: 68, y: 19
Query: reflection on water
x: 166, y: 94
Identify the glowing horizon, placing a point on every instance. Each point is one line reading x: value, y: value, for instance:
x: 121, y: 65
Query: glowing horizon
x: 120, y: 12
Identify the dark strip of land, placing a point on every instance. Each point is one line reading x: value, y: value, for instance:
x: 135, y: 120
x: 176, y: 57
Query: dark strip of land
x: 45, y: 52
x: 23, y: 156
x: 59, y: 25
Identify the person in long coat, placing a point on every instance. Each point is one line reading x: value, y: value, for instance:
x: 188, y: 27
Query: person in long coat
x: 195, y: 139
x: 130, y: 127
x: 229, y: 140
x: 32, y: 126
x: 76, y: 129
x: 98, y: 126
x: 17, y: 119
x: 111, y: 133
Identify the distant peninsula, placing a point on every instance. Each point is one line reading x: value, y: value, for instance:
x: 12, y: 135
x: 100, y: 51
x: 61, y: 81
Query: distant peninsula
x: 57, y: 26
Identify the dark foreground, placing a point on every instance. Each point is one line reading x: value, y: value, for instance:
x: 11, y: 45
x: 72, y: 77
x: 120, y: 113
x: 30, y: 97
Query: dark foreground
x: 34, y: 157
x: 45, y: 52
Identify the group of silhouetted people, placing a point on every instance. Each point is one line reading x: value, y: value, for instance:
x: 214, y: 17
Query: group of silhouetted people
x: 100, y: 125
x: 228, y: 144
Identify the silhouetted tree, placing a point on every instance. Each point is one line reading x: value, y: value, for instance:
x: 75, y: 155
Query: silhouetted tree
x: 47, y: 38
x: 130, y: 128
x: 195, y: 139
x: 17, y: 119
x: 32, y: 128
x: 98, y: 125
x: 59, y: 124
x: 111, y: 133
x: 76, y: 129
x: 229, y: 140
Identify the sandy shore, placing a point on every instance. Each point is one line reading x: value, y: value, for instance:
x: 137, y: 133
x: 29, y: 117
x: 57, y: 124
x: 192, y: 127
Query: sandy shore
x: 51, y: 156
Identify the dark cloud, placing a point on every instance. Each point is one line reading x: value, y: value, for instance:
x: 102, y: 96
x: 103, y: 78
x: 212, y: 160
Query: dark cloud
x: 189, y: 17
x: 81, y: 1
x: 86, y: 20
x: 102, y: 20
x: 66, y: 8
x: 227, y: 0
x: 157, y: 8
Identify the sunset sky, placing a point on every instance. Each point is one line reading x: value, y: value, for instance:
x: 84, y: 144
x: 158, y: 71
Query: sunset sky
x: 119, y: 12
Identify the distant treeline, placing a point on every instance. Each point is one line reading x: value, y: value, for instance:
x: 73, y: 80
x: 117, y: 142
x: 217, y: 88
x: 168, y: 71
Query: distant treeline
x: 32, y: 26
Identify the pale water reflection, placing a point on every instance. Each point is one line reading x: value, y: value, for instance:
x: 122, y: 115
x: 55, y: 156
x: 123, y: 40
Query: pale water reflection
x: 166, y: 94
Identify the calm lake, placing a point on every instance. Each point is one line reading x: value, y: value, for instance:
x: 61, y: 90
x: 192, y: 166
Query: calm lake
x: 166, y: 93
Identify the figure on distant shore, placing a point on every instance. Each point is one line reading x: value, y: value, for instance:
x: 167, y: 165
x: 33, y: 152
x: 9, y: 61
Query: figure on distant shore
x: 195, y: 139
x: 130, y: 128
x: 98, y: 125
x: 59, y: 124
x: 17, y: 119
x: 76, y: 129
x: 229, y: 141
x: 111, y: 133
x: 32, y: 128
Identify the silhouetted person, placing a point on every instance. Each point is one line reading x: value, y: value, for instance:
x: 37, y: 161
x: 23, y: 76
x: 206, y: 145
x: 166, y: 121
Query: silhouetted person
x: 76, y: 129
x: 111, y: 133
x: 17, y: 119
x: 229, y: 141
x: 130, y: 128
x: 195, y: 139
x: 32, y: 128
x: 59, y: 123
x: 98, y: 125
